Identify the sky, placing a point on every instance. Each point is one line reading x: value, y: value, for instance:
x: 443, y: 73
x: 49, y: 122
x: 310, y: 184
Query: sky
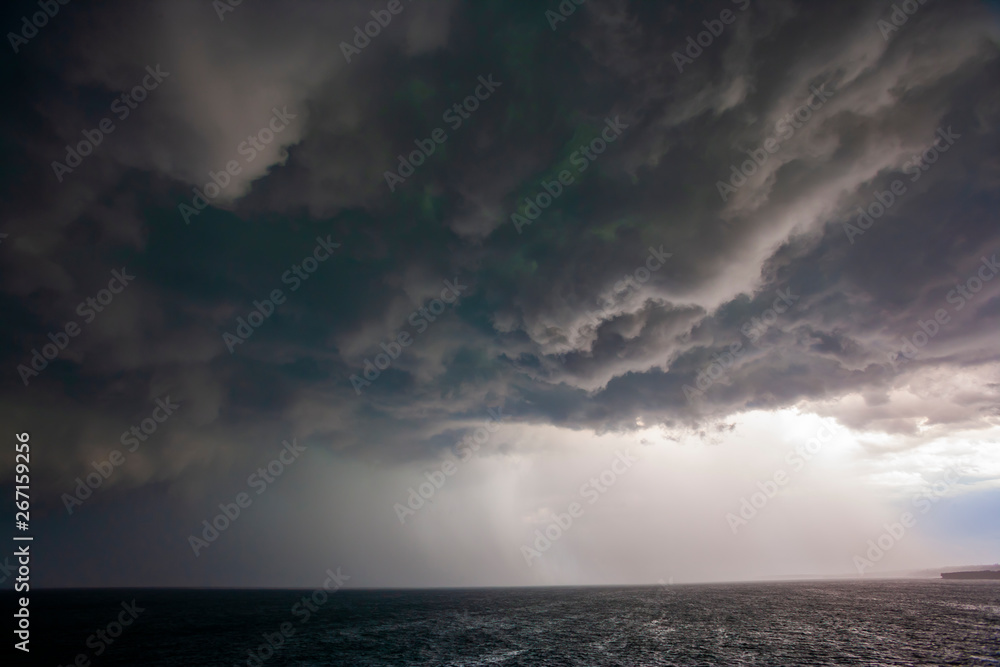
x: 492, y: 293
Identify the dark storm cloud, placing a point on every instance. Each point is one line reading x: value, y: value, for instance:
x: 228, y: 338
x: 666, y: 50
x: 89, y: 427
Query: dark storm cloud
x: 547, y: 328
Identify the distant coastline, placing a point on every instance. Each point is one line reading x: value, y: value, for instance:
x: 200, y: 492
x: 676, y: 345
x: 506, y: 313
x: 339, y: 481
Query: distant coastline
x: 977, y: 574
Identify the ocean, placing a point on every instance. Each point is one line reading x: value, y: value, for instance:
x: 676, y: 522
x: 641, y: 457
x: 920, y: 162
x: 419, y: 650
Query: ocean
x: 796, y: 623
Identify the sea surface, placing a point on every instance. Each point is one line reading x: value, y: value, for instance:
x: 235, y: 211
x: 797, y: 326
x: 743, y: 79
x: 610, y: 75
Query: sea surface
x: 806, y: 623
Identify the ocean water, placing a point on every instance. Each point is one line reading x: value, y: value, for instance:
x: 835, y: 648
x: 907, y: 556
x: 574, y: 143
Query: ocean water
x: 807, y: 623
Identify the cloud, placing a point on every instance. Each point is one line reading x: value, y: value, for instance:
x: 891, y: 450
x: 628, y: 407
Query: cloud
x: 551, y: 327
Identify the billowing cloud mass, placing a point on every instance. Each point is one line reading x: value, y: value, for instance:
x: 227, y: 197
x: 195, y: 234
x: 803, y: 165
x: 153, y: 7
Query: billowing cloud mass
x: 473, y: 256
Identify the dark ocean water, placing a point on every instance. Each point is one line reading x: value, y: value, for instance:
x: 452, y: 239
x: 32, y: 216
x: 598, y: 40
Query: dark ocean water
x: 858, y: 623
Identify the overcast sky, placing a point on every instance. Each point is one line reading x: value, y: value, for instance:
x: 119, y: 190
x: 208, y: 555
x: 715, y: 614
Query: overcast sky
x: 532, y: 293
